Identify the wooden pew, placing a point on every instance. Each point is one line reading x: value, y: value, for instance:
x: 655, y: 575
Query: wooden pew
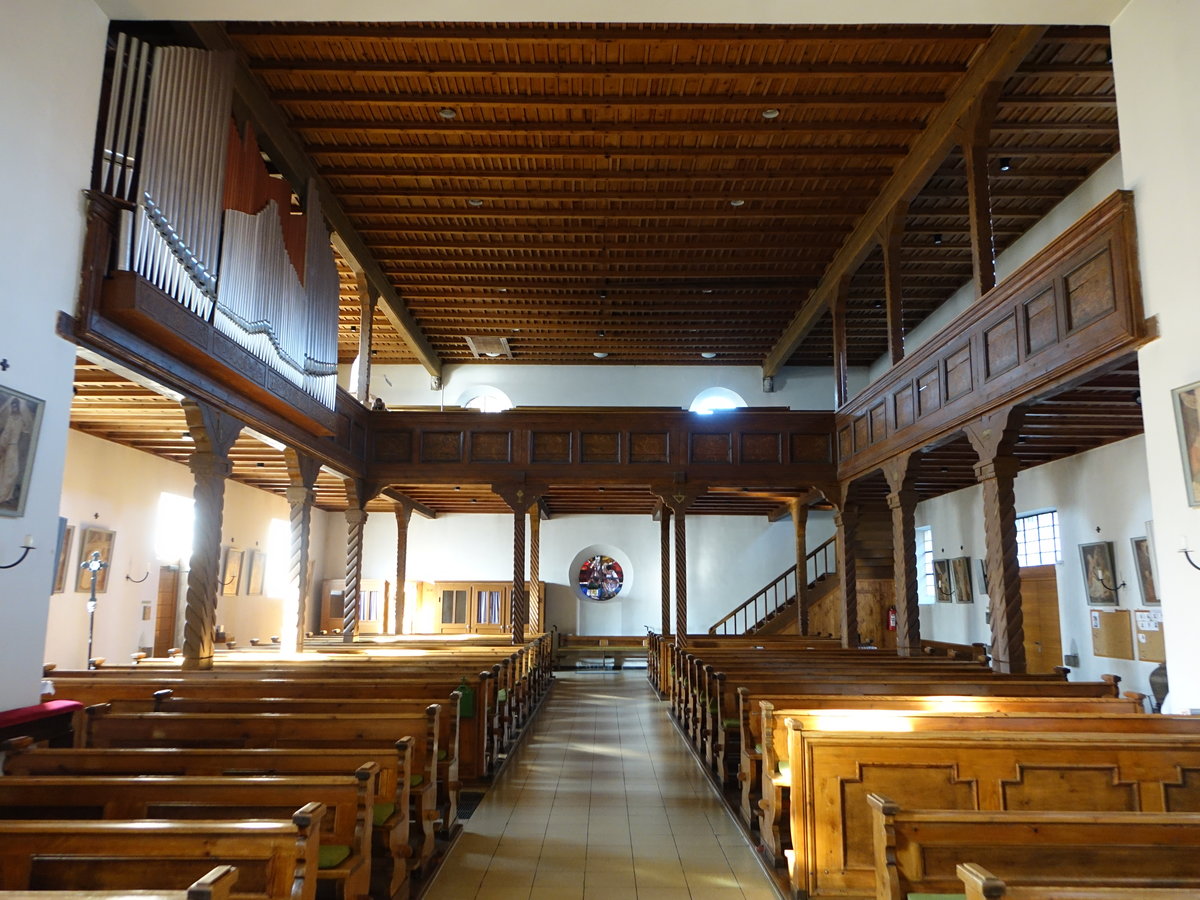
x: 917, y: 851
x: 215, y: 885
x: 831, y: 774
x: 980, y: 884
x: 392, y: 851
x: 211, y: 699
x: 344, y: 859
x: 275, y: 859
x: 289, y: 730
x: 569, y: 648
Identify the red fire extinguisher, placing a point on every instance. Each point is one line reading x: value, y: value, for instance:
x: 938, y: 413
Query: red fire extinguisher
x: 892, y: 618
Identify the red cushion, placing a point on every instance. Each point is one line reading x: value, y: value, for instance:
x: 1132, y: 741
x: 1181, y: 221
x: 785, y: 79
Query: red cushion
x: 20, y: 716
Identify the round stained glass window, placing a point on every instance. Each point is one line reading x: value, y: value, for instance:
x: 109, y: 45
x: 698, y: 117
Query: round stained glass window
x: 600, y: 578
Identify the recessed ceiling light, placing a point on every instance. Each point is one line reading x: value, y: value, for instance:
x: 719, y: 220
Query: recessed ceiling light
x: 1005, y: 163
x: 771, y: 113
x: 492, y: 355
x: 503, y: 290
x: 737, y: 202
x: 937, y: 239
x: 708, y: 354
x: 475, y: 202
x: 600, y: 354
x: 447, y: 113
x: 706, y: 291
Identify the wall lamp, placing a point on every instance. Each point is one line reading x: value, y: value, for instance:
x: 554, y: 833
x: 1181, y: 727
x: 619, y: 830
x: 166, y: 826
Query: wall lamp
x: 25, y: 548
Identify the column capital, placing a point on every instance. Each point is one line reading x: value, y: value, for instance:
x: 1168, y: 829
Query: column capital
x: 207, y: 464
x: 355, y: 516
x: 997, y: 467
x: 301, y: 496
x: 903, y: 499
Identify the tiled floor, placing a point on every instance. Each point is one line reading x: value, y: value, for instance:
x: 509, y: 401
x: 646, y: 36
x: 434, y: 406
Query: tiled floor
x: 601, y: 802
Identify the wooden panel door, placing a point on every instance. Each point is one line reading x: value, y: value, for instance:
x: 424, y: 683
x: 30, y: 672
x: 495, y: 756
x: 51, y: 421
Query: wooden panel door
x: 372, y: 605
x: 166, y: 608
x: 1039, y: 606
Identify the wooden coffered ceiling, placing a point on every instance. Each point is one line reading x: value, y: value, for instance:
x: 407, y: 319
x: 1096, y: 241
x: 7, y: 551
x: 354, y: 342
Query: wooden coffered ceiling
x: 660, y: 191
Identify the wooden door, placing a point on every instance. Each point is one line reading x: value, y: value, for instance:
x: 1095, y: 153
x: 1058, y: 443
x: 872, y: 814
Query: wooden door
x: 372, y: 605
x: 454, y: 617
x: 333, y: 611
x: 166, y: 606
x: 1039, y: 608
x: 489, y: 609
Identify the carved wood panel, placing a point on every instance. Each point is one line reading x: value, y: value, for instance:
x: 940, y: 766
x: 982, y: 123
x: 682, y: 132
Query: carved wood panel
x: 649, y: 447
x: 761, y: 448
x: 600, y: 447
x: 491, y: 446
x: 550, y: 447
x: 1070, y: 788
x: 711, y: 448
x: 442, y: 446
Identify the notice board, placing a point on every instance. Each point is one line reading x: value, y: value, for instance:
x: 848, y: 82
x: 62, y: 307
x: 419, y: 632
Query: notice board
x: 1112, y: 633
x: 1148, y: 625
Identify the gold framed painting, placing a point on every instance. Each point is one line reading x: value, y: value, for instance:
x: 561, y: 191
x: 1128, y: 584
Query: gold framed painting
x: 1143, y: 562
x: 960, y: 579
x: 1186, y: 400
x: 943, y: 587
x: 1099, y: 573
x: 92, y: 540
x: 66, y: 535
x: 231, y: 573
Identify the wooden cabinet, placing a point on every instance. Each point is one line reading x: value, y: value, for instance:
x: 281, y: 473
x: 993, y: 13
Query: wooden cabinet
x: 373, y: 605
x: 474, y: 607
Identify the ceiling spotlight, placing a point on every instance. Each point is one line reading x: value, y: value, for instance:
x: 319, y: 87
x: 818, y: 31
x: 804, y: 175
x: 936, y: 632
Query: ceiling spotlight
x: 708, y: 354
x: 706, y: 291
x: 1005, y: 163
x: 771, y: 113
x: 447, y: 113
x: 737, y: 202
x: 937, y: 239
x: 475, y: 202
x: 492, y: 355
x: 599, y: 354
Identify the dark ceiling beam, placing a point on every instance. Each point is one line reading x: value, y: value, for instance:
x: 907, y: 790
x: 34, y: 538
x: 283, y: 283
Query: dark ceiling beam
x: 1002, y: 55
x: 650, y: 212
x: 417, y: 506
x: 459, y: 101
x: 689, y: 175
x: 289, y: 156
x: 593, y: 70
x: 736, y: 151
x: 752, y: 128
x: 573, y: 195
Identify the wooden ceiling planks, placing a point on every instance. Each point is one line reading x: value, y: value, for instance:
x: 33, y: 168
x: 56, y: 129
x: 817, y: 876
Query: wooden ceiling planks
x: 579, y: 178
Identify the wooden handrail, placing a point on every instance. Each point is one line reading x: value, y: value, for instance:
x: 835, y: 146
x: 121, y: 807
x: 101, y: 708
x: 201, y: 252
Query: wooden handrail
x: 749, y: 616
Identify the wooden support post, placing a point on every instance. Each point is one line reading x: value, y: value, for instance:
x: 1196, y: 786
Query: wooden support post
x: 536, y: 625
x: 992, y: 437
x: 902, y: 500
x: 800, y: 522
x: 367, y: 299
x: 302, y: 476
x: 846, y: 520
x: 841, y: 385
x: 974, y: 132
x: 678, y: 497
x: 358, y: 494
x: 519, y: 497
x: 403, y: 515
x: 891, y: 232
x: 664, y: 562
x: 213, y: 433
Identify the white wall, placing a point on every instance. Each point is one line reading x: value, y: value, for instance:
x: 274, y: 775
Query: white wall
x: 606, y: 384
x: 51, y: 58
x: 729, y: 558
x: 1103, y: 489
x: 118, y: 488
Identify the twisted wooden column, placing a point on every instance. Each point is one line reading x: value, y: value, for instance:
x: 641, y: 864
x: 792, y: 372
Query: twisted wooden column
x: 846, y: 520
x: 403, y: 515
x: 300, y: 504
x: 535, y: 569
x: 213, y: 433
x: 800, y: 521
x: 200, y: 614
x: 1003, y: 567
x: 903, y: 504
x: 664, y: 556
x: 356, y: 520
x: 681, y: 603
x: 520, y: 601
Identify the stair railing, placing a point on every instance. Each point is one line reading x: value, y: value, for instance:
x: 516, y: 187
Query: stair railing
x: 753, y: 613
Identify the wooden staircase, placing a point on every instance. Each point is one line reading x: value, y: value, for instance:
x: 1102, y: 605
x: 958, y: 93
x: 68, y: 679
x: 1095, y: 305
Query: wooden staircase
x: 772, y: 610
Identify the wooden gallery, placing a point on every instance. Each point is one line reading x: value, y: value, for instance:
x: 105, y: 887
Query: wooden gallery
x: 735, y: 452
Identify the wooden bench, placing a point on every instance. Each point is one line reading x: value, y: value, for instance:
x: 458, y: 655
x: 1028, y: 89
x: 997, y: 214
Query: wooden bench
x: 831, y: 774
x: 217, y: 884
x: 393, y: 851
x: 289, y: 730
x: 918, y: 851
x: 344, y: 858
x: 275, y: 859
x: 980, y: 884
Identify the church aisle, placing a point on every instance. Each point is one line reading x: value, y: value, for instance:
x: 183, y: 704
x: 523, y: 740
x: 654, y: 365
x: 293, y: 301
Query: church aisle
x: 602, y: 800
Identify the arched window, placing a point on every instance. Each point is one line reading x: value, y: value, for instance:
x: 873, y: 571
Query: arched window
x: 485, y: 399
x: 712, y: 399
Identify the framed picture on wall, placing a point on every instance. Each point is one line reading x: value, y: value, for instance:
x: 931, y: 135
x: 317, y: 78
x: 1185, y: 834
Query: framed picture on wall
x: 94, y: 540
x: 1143, y: 561
x: 942, y: 586
x: 960, y: 577
x: 1099, y: 573
x: 256, y: 564
x: 20, y: 422
x: 231, y: 573
x: 983, y: 576
x: 66, y: 534
x: 1187, y: 422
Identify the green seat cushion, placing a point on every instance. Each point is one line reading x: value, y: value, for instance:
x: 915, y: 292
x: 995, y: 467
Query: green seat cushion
x: 915, y: 895
x: 758, y: 749
x: 332, y: 855
x: 442, y: 754
x: 416, y: 780
x: 785, y: 766
x: 502, y: 695
x: 729, y: 723
x: 382, y: 812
